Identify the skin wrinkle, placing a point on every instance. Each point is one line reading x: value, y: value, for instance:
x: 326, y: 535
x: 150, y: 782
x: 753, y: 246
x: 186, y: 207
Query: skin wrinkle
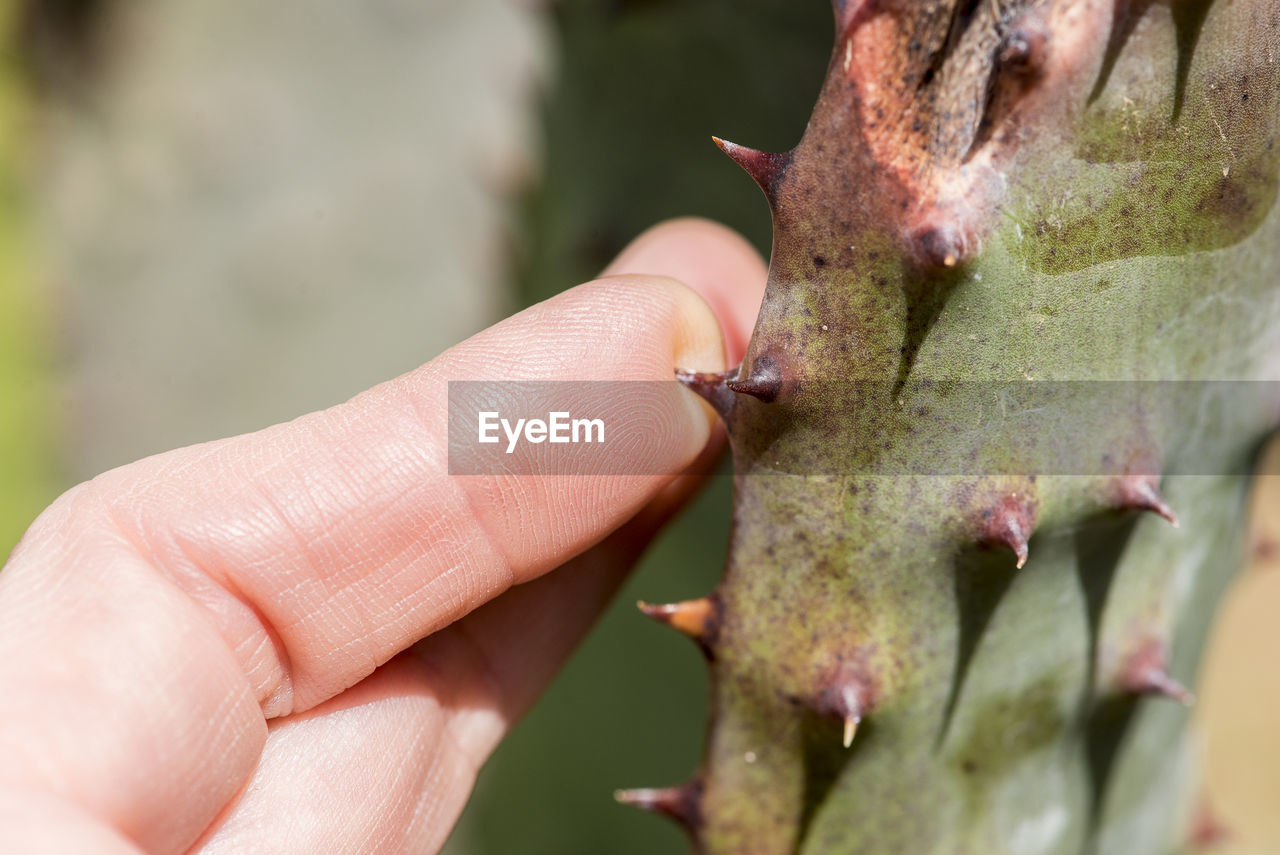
x: 312, y: 551
x: 116, y: 805
x: 450, y: 773
x: 428, y: 441
x: 91, y: 834
x: 458, y: 606
x: 139, y: 546
x: 275, y: 694
x: 279, y: 681
x: 407, y: 783
x: 462, y: 594
x: 456, y: 555
x: 415, y: 597
x: 268, y: 666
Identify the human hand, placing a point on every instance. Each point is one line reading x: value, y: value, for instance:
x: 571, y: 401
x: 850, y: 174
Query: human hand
x: 218, y: 649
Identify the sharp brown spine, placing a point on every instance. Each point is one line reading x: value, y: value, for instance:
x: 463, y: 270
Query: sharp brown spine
x: 698, y: 619
x: 1010, y: 524
x: 711, y: 387
x: 765, y: 168
x: 1147, y: 673
x: 682, y: 803
x: 1140, y: 493
x: 1023, y: 49
x: 763, y: 383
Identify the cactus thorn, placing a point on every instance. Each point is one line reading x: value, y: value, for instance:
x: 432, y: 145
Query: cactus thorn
x: 710, y: 386
x: 1139, y: 493
x: 851, y: 729
x: 699, y: 619
x: 1147, y: 673
x: 849, y: 12
x: 1009, y: 524
x: 680, y: 803
x: 764, y: 382
x: 765, y: 168
x: 846, y: 697
x: 1208, y: 831
x: 1162, y: 684
x: 1020, y: 550
x: 940, y: 246
x: 1022, y: 50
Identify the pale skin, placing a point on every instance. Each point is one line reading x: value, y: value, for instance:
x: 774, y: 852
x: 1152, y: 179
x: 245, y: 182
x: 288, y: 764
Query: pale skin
x: 309, y: 639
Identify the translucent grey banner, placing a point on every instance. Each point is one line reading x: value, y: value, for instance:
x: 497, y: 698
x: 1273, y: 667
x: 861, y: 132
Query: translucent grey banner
x: 918, y: 428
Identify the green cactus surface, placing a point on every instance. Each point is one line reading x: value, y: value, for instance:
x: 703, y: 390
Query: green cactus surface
x: 992, y: 434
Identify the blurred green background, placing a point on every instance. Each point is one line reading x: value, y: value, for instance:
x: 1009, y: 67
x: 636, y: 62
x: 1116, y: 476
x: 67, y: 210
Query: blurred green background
x: 219, y: 214
x: 28, y: 466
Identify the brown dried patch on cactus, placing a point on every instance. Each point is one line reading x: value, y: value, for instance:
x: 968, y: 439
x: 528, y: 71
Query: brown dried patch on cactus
x: 943, y: 96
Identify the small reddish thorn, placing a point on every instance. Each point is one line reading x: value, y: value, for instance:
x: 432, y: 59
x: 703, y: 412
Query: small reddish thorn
x: 1162, y: 684
x: 764, y: 167
x: 681, y: 803
x: 764, y: 382
x: 1022, y: 51
x: 1015, y: 50
x: 940, y: 246
x: 1266, y: 550
x: 698, y: 619
x: 1009, y: 524
x: 1139, y: 493
x: 847, y: 11
x: 1020, y: 550
x: 710, y: 386
x: 1207, y: 830
x: 1147, y: 673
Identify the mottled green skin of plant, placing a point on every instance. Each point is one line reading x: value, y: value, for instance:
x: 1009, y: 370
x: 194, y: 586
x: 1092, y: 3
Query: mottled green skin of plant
x: 999, y: 705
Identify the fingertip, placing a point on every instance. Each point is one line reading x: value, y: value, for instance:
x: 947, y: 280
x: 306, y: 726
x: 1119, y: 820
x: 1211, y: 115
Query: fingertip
x: 713, y: 260
x: 662, y: 324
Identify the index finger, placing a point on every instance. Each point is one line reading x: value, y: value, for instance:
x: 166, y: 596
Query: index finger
x: 163, y: 609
